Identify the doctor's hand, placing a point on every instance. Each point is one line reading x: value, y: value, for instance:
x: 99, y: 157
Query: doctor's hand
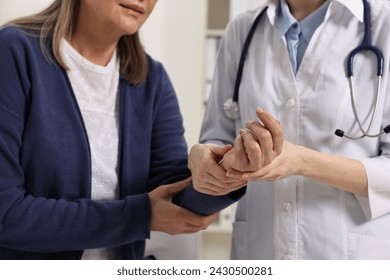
x: 288, y: 163
x: 257, y: 146
x: 172, y: 219
x: 207, y: 175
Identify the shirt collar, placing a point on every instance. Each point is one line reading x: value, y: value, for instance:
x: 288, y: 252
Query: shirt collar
x: 307, y: 25
x: 354, y: 6
x: 285, y: 18
x: 271, y: 12
x: 313, y: 20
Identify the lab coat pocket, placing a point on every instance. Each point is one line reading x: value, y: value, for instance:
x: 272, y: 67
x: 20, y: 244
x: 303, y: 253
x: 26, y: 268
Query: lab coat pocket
x: 240, y: 240
x: 364, y: 247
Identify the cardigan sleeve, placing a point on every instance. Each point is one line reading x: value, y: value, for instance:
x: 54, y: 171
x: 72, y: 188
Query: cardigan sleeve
x: 205, y: 204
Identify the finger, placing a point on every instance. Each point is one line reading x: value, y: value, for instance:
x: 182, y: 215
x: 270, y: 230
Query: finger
x: 274, y: 126
x: 196, y: 220
x: 209, y: 220
x: 177, y: 187
x: 258, y: 175
x: 210, y: 189
x: 217, y: 190
x: 212, y: 218
x: 215, y: 176
x: 238, y: 144
x: 183, y: 228
x: 265, y: 140
x: 191, y: 218
x: 219, y: 151
x: 202, y: 222
x: 236, y: 174
x: 239, y: 149
x: 253, y: 150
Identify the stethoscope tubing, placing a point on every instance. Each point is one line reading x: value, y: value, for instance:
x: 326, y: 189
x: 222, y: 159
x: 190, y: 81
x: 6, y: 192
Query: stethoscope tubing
x: 365, y: 46
x: 365, y: 133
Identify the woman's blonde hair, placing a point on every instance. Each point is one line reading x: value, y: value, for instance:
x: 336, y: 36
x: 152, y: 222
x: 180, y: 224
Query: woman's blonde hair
x: 58, y: 21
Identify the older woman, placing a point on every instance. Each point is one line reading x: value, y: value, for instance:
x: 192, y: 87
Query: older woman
x: 89, y: 128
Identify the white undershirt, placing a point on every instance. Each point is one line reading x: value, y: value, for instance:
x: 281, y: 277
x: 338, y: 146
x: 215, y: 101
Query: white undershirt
x: 96, y: 91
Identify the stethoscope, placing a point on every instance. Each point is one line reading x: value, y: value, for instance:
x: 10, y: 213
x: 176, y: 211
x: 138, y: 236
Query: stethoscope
x: 231, y: 107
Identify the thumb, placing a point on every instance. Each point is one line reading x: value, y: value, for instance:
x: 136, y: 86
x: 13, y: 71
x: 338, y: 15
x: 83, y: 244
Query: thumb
x: 177, y: 187
x: 220, y: 150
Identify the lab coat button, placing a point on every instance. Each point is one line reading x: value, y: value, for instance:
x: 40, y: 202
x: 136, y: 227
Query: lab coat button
x: 287, y: 206
x: 290, y: 103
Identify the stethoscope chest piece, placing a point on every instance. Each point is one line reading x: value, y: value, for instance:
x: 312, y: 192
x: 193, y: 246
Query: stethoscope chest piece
x: 231, y: 109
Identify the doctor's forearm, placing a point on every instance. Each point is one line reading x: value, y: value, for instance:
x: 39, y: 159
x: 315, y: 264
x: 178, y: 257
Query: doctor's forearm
x: 342, y: 173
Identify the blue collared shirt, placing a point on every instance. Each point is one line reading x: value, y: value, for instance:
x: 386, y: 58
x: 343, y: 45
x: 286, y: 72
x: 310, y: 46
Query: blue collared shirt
x: 298, y: 34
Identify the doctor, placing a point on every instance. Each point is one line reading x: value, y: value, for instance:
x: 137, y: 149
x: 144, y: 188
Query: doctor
x: 315, y: 195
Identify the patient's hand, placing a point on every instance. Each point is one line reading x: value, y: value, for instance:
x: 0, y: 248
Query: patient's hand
x: 207, y: 175
x: 172, y: 219
x: 256, y: 147
x: 253, y: 149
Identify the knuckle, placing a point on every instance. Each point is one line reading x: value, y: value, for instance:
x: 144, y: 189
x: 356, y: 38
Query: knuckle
x: 253, y: 126
x: 279, y: 131
x: 225, y: 182
x: 264, y: 134
x: 253, y: 146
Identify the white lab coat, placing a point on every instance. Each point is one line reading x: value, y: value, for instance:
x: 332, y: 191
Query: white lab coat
x: 298, y: 218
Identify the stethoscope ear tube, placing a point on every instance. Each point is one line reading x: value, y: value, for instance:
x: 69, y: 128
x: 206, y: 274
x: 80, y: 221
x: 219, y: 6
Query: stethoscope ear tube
x: 362, y: 48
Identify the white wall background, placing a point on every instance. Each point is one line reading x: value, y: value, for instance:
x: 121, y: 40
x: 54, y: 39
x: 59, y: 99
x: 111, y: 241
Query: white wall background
x: 175, y: 35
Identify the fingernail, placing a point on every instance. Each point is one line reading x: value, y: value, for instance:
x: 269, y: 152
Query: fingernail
x: 260, y: 110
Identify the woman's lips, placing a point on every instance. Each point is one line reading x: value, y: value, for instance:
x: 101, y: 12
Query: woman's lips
x: 134, y: 8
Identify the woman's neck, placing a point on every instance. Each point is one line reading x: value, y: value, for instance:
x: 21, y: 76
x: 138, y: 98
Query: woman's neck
x: 96, y: 50
x: 302, y: 8
x: 94, y: 42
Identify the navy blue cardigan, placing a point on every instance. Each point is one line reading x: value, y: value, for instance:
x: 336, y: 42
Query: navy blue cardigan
x: 45, y: 163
